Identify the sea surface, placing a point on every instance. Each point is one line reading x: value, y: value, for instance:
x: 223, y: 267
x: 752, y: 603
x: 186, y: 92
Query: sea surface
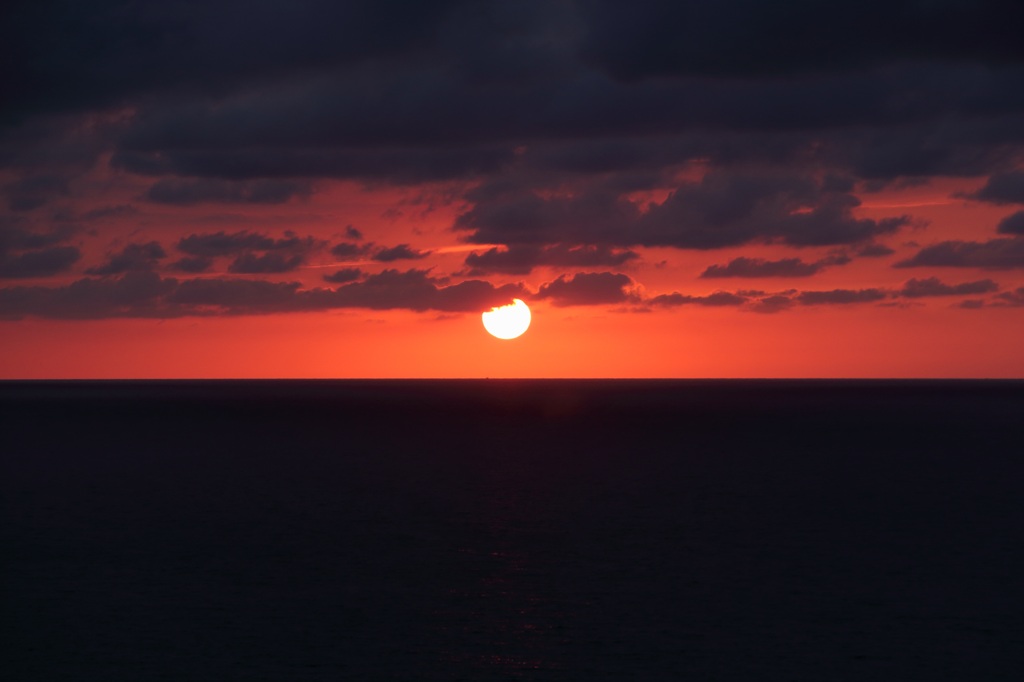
x: 505, y: 530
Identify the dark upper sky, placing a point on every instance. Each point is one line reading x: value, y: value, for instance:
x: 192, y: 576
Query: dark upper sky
x: 410, y: 91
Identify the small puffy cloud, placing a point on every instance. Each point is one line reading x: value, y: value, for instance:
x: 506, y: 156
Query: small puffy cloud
x: 400, y: 252
x: 717, y: 299
x: 840, y: 296
x: 761, y: 302
x: 212, y: 190
x: 521, y: 259
x: 932, y: 286
x: 1002, y: 188
x: 875, y: 251
x: 346, y: 250
x: 995, y: 253
x: 353, y: 233
x: 131, y: 257
x: 759, y: 267
x: 1013, y: 298
x: 588, y: 288
x: 39, y: 263
x: 1012, y: 224
x: 344, y: 276
x: 775, y: 303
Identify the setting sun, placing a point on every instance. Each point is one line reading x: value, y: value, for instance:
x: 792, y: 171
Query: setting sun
x: 507, y: 321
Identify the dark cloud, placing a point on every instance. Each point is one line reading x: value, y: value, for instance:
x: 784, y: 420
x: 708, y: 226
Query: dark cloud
x: 66, y: 56
x: 555, y: 114
x: 250, y: 263
x: 734, y: 208
x: 135, y: 294
x: 131, y: 257
x: 108, y: 212
x: 473, y: 296
x: 1013, y: 298
x: 416, y: 123
x: 189, y: 192
x: 526, y: 217
x: 146, y: 294
x: 995, y: 254
x: 460, y: 89
x: 425, y: 119
x: 875, y: 251
x: 15, y: 238
x: 225, y: 244
x: 775, y: 303
x: 232, y: 295
x: 193, y: 264
x: 759, y: 267
x: 416, y: 290
x: 408, y: 165
x: 1002, y: 188
x: 932, y: 286
x: 840, y: 296
x: 25, y: 254
x: 588, y: 288
x: 254, y: 254
x: 1012, y: 224
x: 400, y: 252
x: 522, y: 259
x: 34, y: 191
x: 723, y: 209
x: 717, y: 299
x: 345, y: 250
x: 516, y: 260
x: 759, y: 301
x: 344, y: 276
x: 746, y: 38
x: 39, y: 263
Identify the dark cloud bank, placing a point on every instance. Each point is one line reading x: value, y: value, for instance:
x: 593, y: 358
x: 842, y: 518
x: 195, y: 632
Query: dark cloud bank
x: 276, y: 92
x: 25, y: 254
x: 549, y: 116
x: 146, y: 294
x: 141, y: 292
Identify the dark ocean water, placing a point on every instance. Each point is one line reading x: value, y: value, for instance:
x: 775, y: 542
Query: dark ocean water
x: 485, y: 530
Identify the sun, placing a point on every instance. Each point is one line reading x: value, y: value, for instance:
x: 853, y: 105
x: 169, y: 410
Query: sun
x: 507, y: 321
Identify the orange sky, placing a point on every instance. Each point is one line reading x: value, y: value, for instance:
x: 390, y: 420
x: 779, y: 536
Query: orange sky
x: 700, y: 343
x: 927, y: 337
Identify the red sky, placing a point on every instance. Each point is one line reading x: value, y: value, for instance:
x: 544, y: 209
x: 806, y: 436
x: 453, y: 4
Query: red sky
x: 174, y: 212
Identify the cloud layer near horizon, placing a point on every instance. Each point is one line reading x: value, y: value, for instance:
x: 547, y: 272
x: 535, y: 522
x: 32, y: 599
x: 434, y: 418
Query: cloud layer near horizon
x: 141, y: 293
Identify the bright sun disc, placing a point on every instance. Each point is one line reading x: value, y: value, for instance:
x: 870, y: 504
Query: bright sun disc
x: 507, y: 321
